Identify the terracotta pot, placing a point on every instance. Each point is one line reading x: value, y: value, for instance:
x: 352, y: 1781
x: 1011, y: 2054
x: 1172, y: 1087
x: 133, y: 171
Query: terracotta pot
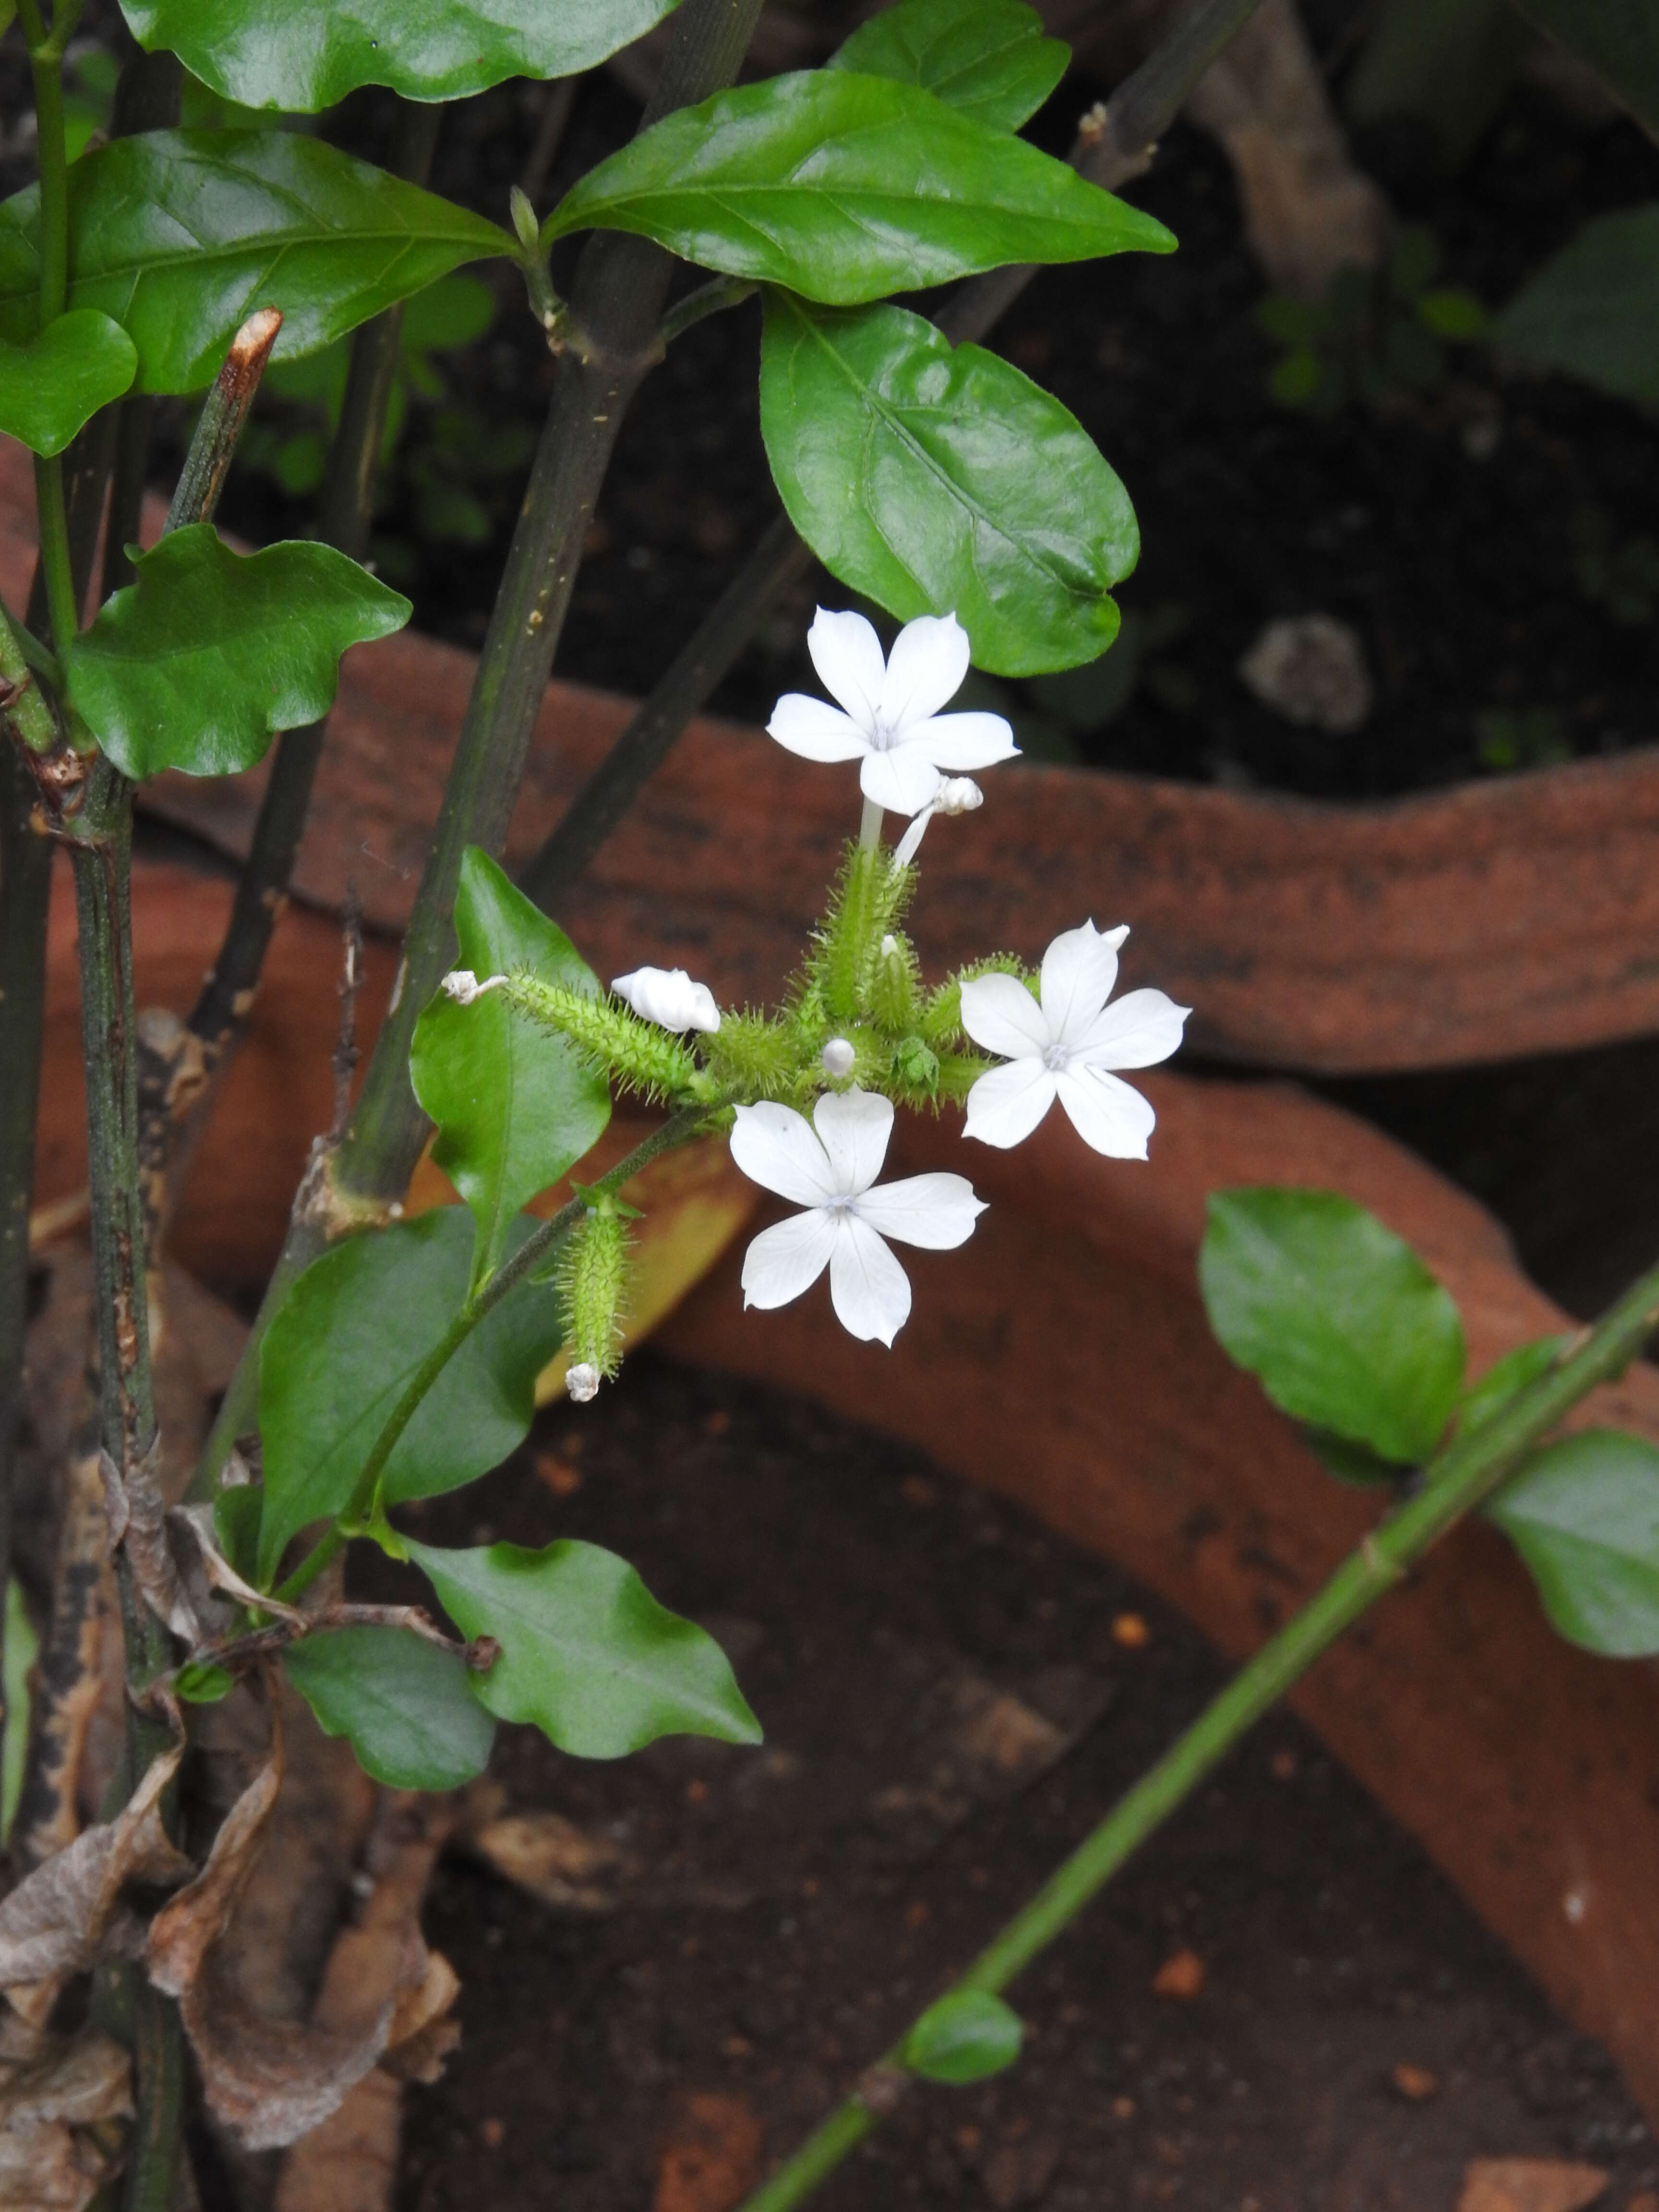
x: 1489, y: 920
x: 1062, y: 1358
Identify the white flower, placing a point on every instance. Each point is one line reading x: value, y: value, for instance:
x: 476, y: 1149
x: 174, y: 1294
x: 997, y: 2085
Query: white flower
x: 828, y: 1166
x: 957, y: 794
x: 668, y: 997
x: 463, y: 987
x: 582, y: 1381
x: 891, y: 723
x: 1063, y: 1047
x: 839, y: 1057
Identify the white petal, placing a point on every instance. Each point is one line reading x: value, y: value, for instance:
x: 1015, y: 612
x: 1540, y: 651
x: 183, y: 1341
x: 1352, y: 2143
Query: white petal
x: 911, y: 843
x: 775, y: 1147
x: 925, y: 667
x: 1109, y: 1115
x: 869, y: 1289
x: 902, y: 779
x: 936, y: 1212
x: 668, y: 997
x: 854, y: 1127
x: 1079, y: 971
x: 963, y: 741
x: 787, y: 1259
x: 815, y: 729
x: 1005, y: 1106
x: 848, y: 655
x: 999, y: 1013
x: 1137, y: 1030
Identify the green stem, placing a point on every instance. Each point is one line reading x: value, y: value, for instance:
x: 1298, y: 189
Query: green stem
x: 712, y: 298
x: 360, y: 1508
x: 1464, y: 1473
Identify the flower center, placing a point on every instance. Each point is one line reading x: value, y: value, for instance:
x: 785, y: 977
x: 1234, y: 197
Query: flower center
x: 1057, y: 1058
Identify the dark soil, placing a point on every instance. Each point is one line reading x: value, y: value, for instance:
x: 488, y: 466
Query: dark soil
x: 788, y: 1909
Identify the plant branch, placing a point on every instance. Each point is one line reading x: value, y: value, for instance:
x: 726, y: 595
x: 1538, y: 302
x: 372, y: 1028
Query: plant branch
x: 1115, y: 142
x: 1460, y: 1477
x: 611, y: 340
x: 360, y: 1509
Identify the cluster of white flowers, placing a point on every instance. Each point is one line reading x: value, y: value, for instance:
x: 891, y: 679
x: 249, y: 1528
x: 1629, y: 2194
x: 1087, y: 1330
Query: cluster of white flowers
x: 1063, y: 1043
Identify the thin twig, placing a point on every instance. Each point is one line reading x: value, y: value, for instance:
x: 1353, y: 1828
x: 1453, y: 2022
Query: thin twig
x: 351, y: 982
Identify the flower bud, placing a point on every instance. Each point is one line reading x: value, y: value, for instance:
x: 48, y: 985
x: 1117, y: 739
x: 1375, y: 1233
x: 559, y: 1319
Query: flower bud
x: 523, y: 219
x: 668, y: 997
x: 582, y: 1381
x: 591, y: 1281
x: 839, y: 1057
x: 463, y: 987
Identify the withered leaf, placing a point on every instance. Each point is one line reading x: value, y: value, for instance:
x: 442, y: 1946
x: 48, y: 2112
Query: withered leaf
x: 58, y: 2142
x: 56, y: 1922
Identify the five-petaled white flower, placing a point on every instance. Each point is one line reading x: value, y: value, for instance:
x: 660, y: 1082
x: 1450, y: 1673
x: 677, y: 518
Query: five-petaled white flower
x: 887, y: 718
x: 1063, y: 1047
x: 829, y: 1166
x: 668, y: 997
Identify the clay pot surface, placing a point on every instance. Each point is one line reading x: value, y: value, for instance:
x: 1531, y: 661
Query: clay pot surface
x: 1486, y: 921
x: 1062, y: 1358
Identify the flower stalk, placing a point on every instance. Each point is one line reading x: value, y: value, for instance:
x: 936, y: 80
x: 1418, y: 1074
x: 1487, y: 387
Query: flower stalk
x: 1466, y: 1472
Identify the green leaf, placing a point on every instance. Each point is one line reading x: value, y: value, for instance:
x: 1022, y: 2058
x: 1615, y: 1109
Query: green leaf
x: 587, y: 1655
x: 963, y: 2037
x: 844, y: 187
x: 180, y: 234
x: 1585, y: 1515
x: 1451, y: 314
x: 57, y: 381
x: 302, y: 55
x: 201, y: 1682
x: 1358, y: 1465
x: 208, y: 654
x: 988, y: 58
x: 1620, y: 39
x: 1592, y: 311
x: 1343, y: 1324
x: 515, y: 1105
x: 937, y: 479
x: 405, y: 1703
x: 237, y: 1511
x: 345, y: 1344
x: 1515, y: 1372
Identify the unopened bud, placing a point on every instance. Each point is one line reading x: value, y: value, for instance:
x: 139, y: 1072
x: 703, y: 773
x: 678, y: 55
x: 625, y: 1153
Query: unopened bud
x: 958, y: 794
x: 839, y: 1057
x: 889, y: 945
x: 523, y: 219
x: 582, y: 1381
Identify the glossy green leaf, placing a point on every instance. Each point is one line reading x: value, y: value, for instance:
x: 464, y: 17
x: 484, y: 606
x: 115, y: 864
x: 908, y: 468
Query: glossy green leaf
x: 1337, y: 1316
x: 1592, y: 311
x: 515, y: 1106
x: 180, y: 234
x: 57, y: 381
x: 208, y: 654
x: 988, y: 58
x: 939, y: 479
x: 345, y: 1344
x: 965, y: 2037
x: 1620, y: 39
x: 844, y: 187
x: 1515, y: 1372
x: 303, y: 55
x: 405, y: 1703
x: 587, y: 1655
x: 1585, y: 1515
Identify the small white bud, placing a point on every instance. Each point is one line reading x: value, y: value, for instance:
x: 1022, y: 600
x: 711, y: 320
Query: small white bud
x: 523, y: 219
x: 839, y: 1054
x: 668, y: 997
x: 463, y: 987
x: 958, y: 794
x: 583, y: 1382
x: 889, y: 945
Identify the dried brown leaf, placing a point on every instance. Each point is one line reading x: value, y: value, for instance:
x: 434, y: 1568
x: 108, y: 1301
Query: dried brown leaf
x: 138, y: 1519
x: 58, y: 2142
x: 56, y: 1921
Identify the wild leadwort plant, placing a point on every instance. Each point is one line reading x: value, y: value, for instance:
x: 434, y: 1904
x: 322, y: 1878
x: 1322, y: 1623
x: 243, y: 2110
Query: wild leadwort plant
x: 395, y: 1359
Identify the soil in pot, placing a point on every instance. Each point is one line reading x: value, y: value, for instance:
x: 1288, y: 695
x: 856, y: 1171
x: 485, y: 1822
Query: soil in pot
x: 1282, y: 2006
